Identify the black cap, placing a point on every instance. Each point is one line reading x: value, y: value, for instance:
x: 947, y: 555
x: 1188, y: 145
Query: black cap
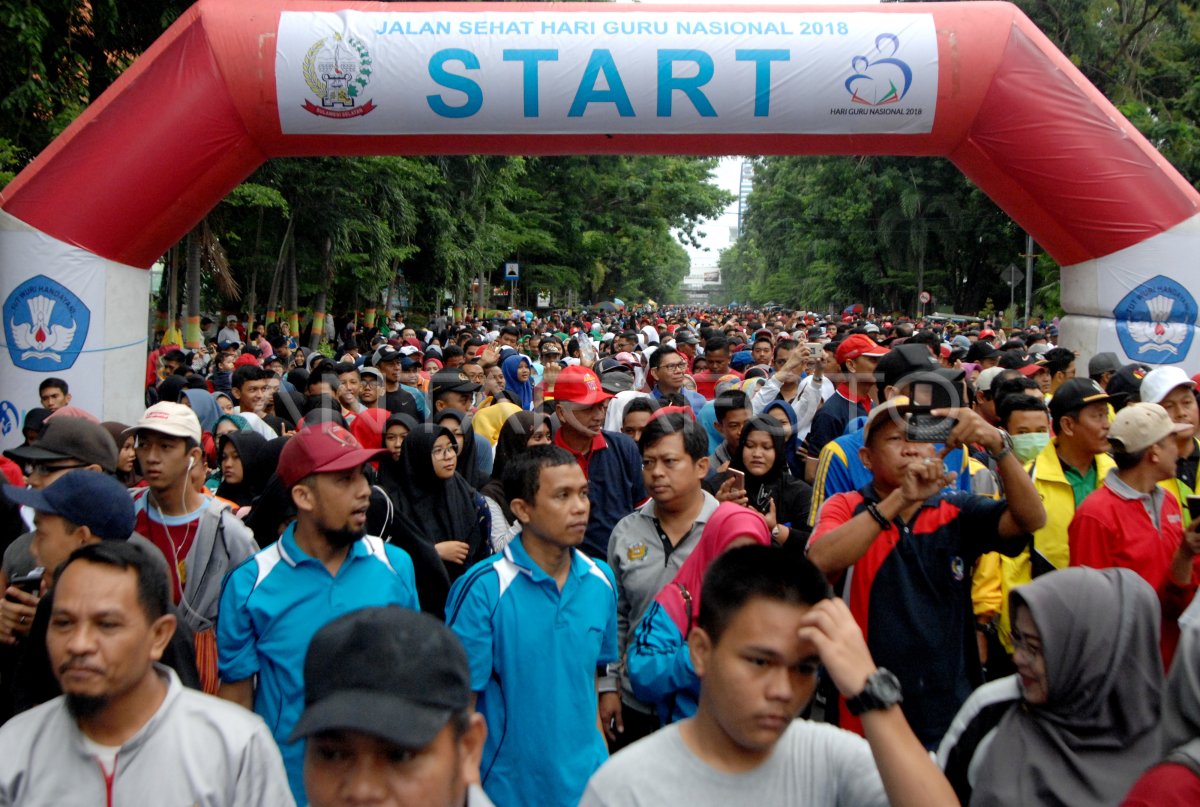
x: 66, y: 438
x: 389, y: 672
x: 451, y: 381
x: 385, y: 353
x: 1127, y: 382
x: 685, y: 336
x: 902, y: 361
x: 1076, y: 393
x: 615, y: 381
x: 981, y: 350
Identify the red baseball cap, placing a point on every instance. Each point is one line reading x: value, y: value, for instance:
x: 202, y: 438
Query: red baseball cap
x: 1032, y: 369
x: 858, y: 344
x: 321, y: 449
x: 579, y: 385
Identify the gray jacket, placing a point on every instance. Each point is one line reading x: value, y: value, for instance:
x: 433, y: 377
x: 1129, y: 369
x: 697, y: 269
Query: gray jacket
x: 194, y: 750
x: 642, y: 567
x: 222, y: 542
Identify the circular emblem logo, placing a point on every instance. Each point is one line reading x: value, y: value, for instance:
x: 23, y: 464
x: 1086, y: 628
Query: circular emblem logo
x: 1156, y: 321
x: 46, y: 325
x: 337, y: 71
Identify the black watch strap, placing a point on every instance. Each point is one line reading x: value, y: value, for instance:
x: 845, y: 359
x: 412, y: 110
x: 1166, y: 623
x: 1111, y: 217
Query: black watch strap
x: 881, y: 692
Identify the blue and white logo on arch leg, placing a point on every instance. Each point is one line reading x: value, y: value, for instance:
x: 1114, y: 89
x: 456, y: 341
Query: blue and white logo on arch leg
x: 1156, y: 321
x: 45, y: 325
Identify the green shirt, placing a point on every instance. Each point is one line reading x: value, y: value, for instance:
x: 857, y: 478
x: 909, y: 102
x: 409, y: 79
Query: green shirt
x: 1081, y: 484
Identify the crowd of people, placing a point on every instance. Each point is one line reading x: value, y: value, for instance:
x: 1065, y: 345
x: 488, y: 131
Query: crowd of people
x: 678, y: 556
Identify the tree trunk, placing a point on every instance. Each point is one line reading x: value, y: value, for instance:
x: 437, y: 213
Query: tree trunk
x: 293, y: 297
x: 318, y: 317
x: 278, y: 276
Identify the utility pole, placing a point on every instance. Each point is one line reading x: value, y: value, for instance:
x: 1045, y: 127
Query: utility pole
x: 1028, y: 276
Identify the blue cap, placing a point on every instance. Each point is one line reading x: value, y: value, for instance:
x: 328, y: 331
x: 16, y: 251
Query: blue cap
x: 85, y: 498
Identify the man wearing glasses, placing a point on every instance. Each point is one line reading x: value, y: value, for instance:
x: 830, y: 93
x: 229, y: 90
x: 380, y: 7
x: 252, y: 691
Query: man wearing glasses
x: 66, y: 444
x: 668, y: 367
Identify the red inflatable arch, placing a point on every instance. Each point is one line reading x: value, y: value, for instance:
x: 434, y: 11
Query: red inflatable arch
x: 232, y: 84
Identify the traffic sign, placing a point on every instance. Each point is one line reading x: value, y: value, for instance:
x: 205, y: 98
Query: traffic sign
x: 1012, y: 275
x: 925, y: 297
x: 512, y: 271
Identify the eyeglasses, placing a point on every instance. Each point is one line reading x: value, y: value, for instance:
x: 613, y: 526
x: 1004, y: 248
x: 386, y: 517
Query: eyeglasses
x: 372, y: 382
x: 446, y: 451
x: 42, y: 469
x: 1024, y: 643
x: 674, y: 366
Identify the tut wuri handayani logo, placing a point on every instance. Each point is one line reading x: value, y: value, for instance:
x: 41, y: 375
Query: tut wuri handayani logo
x: 338, y: 71
x: 1156, y: 321
x: 45, y: 325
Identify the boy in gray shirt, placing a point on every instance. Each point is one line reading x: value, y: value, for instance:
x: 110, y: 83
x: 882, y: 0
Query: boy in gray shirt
x: 766, y: 623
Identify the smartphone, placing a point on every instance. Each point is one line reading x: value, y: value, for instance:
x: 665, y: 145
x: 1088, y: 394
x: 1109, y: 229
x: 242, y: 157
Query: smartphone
x: 921, y: 425
x: 30, y: 583
x: 739, y: 478
x: 1193, y: 506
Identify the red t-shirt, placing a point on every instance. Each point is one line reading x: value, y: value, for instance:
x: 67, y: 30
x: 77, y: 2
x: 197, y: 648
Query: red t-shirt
x: 1165, y: 785
x: 173, y: 535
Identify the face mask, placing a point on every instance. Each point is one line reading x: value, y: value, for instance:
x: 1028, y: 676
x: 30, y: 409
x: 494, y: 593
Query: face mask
x: 1028, y: 446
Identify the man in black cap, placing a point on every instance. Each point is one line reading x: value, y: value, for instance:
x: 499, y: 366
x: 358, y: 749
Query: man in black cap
x: 397, y: 400
x: 452, y: 389
x: 66, y: 444
x: 409, y: 737
x: 1102, y: 367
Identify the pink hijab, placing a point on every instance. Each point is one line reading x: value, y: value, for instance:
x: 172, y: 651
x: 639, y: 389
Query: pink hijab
x: 681, y: 597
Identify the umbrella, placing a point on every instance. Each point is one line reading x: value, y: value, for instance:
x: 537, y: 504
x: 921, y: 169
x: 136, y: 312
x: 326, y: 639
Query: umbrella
x: 618, y: 302
x: 606, y: 306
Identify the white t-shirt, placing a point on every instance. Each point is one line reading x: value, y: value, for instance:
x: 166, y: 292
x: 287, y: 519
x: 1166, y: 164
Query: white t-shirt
x: 812, y: 765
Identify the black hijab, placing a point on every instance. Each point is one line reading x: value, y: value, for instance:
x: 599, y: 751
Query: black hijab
x: 468, y: 465
x: 430, y: 510
x: 513, y: 440
x: 256, y: 466
x: 792, y: 496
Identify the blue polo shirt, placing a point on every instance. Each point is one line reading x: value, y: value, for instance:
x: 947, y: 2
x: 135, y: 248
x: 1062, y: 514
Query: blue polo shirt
x: 272, y: 605
x: 534, y: 653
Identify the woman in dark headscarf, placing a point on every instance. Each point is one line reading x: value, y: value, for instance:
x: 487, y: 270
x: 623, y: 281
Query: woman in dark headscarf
x: 1079, y: 722
x: 436, y: 509
x: 783, y: 412
x: 245, y: 467
x: 770, y: 488
x: 522, y: 430
x: 459, y: 426
x: 517, y: 379
x: 126, y: 473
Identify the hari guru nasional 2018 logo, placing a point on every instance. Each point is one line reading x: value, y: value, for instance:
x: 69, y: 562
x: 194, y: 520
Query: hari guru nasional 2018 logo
x: 45, y: 325
x: 1156, y: 321
x: 879, y: 79
x: 338, y: 71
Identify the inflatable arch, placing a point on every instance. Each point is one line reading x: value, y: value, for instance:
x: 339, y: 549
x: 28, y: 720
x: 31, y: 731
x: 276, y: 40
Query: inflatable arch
x: 232, y: 84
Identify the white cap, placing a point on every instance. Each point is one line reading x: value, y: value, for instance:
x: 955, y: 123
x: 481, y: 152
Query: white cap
x: 1158, y: 383
x: 171, y: 419
x: 983, y: 382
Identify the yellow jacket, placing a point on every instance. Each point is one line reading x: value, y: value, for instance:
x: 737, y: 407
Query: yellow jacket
x: 1051, y: 547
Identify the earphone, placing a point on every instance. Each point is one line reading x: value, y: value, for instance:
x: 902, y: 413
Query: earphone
x: 191, y: 462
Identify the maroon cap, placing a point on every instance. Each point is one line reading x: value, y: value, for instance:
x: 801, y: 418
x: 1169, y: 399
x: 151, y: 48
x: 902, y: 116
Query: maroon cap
x: 579, y: 385
x: 858, y: 344
x: 321, y: 449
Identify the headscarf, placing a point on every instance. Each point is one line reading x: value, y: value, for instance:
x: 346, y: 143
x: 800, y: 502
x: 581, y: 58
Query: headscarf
x: 256, y: 467
x: 707, y: 417
x: 489, y: 420
x: 760, y: 489
x: 523, y: 390
x: 468, y: 465
x: 235, y: 419
x: 226, y: 396
x: 614, y: 417
x: 1181, y: 710
x: 117, y: 430
x: 205, y: 407
x: 1099, y: 729
x: 368, y: 427
x: 514, y: 437
x: 791, y: 444
x: 430, y: 510
x: 728, y: 521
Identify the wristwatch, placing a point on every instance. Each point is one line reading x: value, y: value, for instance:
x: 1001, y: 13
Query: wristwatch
x: 1006, y: 449
x: 882, y: 691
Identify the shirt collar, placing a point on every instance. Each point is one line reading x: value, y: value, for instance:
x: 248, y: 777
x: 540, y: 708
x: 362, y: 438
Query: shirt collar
x: 293, y: 555
x: 598, y: 443
x: 516, y: 554
x: 1120, y: 487
x: 843, y: 389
